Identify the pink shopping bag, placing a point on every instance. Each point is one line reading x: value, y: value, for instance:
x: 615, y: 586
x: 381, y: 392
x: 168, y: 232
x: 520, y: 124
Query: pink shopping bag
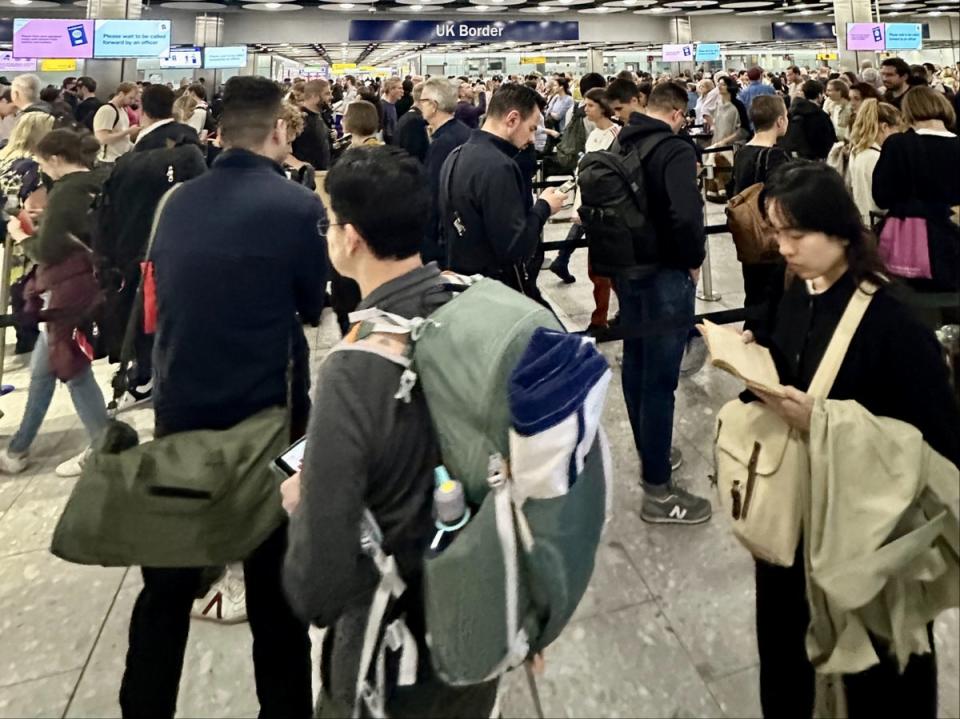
x: 904, y: 247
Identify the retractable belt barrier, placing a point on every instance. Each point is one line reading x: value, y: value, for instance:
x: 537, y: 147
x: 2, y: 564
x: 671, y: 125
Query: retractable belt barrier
x: 577, y: 244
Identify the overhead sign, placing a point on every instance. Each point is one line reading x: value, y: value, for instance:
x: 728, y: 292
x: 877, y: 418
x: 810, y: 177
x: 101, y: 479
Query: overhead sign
x: 52, y: 38
x: 8, y: 63
x: 452, y: 31
x: 827, y: 56
x: 865, y: 36
x: 904, y: 36
x: 708, y: 52
x: 64, y: 65
x: 827, y: 30
x: 341, y: 66
x: 224, y: 58
x: 677, y: 53
x: 182, y: 58
x: 533, y: 60
x: 131, y: 38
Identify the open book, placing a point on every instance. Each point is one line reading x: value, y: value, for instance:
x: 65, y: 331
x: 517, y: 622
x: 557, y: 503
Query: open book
x: 750, y: 362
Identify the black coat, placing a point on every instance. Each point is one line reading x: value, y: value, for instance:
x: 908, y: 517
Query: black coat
x: 811, y: 133
x: 313, y: 144
x: 502, y: 225
x: 446, y: 139
x: 411, y: 134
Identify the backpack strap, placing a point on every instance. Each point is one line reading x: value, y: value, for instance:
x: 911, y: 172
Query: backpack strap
x: 829, y: 366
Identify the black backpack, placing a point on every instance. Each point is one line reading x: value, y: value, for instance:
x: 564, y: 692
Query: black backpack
x: 573, y: 141
x: 120, y: 222
x: 614, y: 207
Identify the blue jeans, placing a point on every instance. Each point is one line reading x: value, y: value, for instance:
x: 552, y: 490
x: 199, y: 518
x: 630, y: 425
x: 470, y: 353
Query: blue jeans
x: 84, y: 391
x: 651, y: 365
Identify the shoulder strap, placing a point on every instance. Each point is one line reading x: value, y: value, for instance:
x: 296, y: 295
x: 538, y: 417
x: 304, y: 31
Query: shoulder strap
x: 840, y: 341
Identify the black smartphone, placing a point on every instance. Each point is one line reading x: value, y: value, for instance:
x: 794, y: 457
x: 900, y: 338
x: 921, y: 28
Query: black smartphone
x: 292, y: 458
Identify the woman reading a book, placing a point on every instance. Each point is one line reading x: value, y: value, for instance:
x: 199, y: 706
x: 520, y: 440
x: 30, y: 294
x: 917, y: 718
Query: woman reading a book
x: 893, y: 368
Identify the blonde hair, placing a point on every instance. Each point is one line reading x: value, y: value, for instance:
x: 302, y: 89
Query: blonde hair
x: 866, y: 128
x: 26, y: 135
x: 293, y: 117
x: 184, y: 107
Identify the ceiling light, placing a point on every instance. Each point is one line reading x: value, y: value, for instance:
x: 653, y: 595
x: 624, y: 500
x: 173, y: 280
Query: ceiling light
x: 347, y: 5
x: 20, y: 2
x: 543, y: 8
x: 271, y: 5
x: 416, y: 8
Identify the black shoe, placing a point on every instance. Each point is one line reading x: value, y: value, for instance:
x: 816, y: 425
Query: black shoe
x: 598, y: 332
x: 563, y: 273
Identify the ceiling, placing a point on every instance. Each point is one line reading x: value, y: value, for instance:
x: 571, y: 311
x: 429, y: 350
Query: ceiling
x: 811, y: 9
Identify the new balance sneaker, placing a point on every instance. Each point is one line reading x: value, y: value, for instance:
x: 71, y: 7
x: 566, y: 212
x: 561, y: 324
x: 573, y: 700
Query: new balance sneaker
x: 673, y: 505
x: 226, y: 602
x: 12, y: 463
x: 676, y: 459
x: 73, y: 466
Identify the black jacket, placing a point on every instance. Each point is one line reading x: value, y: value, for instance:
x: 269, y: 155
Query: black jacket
x: 404, y: 104
x: 412, y: 134
x: 86, y: 110
x: 446, y: 139
x: 918, y: 175
x: 673, y: 200
x: 811, y: 133
x: 894, y: 366
x: 313, y: 144
x: 368, y: 450
x: 238, y: 254
x: 169, y: 134
x: 502, y: 225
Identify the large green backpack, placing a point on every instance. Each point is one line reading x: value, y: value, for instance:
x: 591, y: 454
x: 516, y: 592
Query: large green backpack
x: 512, y: 579
x: 573, y: 141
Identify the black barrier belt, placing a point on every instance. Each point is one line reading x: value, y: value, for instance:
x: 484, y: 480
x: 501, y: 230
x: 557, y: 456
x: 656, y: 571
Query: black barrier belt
x: 671, y: 325
x: 577, y: 244
x: 721, y: 148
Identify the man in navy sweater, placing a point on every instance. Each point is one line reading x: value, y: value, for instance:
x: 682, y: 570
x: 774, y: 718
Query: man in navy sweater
x: 239, y: 254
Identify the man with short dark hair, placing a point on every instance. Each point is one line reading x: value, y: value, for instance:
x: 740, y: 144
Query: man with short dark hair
x: 232, y: 287
x: 895, y: 74
x: 68, y: 92
x: 407, y: 101
x: 651, y: 365
x: 488, y: 221
x: 624, y: 96
x: 754, y: 88
x: 313, y: 144
x: 794, y: 82
x: 388, y: 449
x: 158, y: 125
x: 811, y: 133
x: 89, y: 102
x: 392, y: 92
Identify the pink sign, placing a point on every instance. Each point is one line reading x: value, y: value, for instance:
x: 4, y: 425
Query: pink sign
x: 10, y: 64
x: 677, y: 53
x: 865, y: 36
x: 52, y: 38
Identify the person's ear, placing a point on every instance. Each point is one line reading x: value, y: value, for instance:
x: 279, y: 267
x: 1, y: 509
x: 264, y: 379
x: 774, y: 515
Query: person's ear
x: 352, y: 240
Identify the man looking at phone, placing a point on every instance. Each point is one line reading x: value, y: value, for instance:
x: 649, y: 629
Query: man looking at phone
x: 368, y: 450
x: 227, y: 302
x: 112, y: 127
x: 488, y: 221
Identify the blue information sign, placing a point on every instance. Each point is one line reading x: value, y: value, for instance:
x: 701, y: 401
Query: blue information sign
x: 904, y: 36
x: 451, y: 31
x: 708, y: 52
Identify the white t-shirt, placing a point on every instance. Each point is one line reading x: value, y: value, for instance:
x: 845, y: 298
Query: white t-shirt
x: 860, y: 179
x: 601, y: 139
x: 198, y: 120
x: 110, y: 117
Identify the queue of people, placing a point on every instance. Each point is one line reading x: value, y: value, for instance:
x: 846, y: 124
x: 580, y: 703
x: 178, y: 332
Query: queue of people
x: 316, y: 168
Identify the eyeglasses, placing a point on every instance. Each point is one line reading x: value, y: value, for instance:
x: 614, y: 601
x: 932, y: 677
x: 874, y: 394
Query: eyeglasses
x: 324, y: 226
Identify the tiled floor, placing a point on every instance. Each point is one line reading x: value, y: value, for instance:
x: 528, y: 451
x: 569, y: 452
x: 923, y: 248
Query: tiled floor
x: 666, y: 629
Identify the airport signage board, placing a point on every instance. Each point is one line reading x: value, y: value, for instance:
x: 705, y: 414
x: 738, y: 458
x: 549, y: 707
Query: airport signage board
x: 904, y: 36
x: 454, y: 31
x: 677, y: 53
x: 533, y: 60
x: 8, y: 63
x: 182, y: 58
x: 341, y: 66
x: 827, y: 56
x: 58, y: 65
x: 827, y: 31
x: 224, y: 58
x: 867, y: 36
x: 34, y: 37
x: 131, y: 38
x: 708, y: 52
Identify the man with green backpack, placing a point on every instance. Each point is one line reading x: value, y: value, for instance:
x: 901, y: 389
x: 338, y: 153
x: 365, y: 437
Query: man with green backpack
x: 414, y: 403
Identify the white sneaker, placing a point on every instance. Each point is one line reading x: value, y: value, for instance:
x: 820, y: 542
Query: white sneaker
x: 73, y: 466
x: 12, y: 463
x: 226, y: 602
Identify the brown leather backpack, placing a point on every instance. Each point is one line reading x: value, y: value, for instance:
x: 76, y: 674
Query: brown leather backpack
x: 751, y: 232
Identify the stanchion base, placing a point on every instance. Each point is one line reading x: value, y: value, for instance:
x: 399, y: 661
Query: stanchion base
x: 713, y: 297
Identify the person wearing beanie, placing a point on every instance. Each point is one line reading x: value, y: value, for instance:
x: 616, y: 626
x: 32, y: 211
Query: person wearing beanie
x: 754, y: 88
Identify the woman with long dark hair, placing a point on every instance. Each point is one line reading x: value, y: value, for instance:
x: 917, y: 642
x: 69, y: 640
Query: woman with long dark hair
x: 893, y: 368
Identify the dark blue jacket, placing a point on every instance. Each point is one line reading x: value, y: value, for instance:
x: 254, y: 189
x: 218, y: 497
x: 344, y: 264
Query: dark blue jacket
x: 446, y: 139
x: 238, y: 253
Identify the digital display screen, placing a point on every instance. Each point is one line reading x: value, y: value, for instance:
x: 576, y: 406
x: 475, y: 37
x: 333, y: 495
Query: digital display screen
x: 52, y: 38
x: 708, y: 52
x: 221, y: 58
x: 131, y: 38
x: 865, y: 36
x: 677, y: 53
x: 182, y: 57
x: 8, y: 63
x: 904, y: 36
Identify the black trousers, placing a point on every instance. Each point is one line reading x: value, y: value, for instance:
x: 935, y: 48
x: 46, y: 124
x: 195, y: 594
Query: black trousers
x: 787, y: 681
x: 161, y: 622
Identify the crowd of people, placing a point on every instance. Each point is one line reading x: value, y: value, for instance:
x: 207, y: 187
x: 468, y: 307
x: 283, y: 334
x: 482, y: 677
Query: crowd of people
x: 373, y: 189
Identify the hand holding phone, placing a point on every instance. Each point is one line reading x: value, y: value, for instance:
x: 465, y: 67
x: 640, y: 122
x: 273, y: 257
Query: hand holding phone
x: 567, y: 186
